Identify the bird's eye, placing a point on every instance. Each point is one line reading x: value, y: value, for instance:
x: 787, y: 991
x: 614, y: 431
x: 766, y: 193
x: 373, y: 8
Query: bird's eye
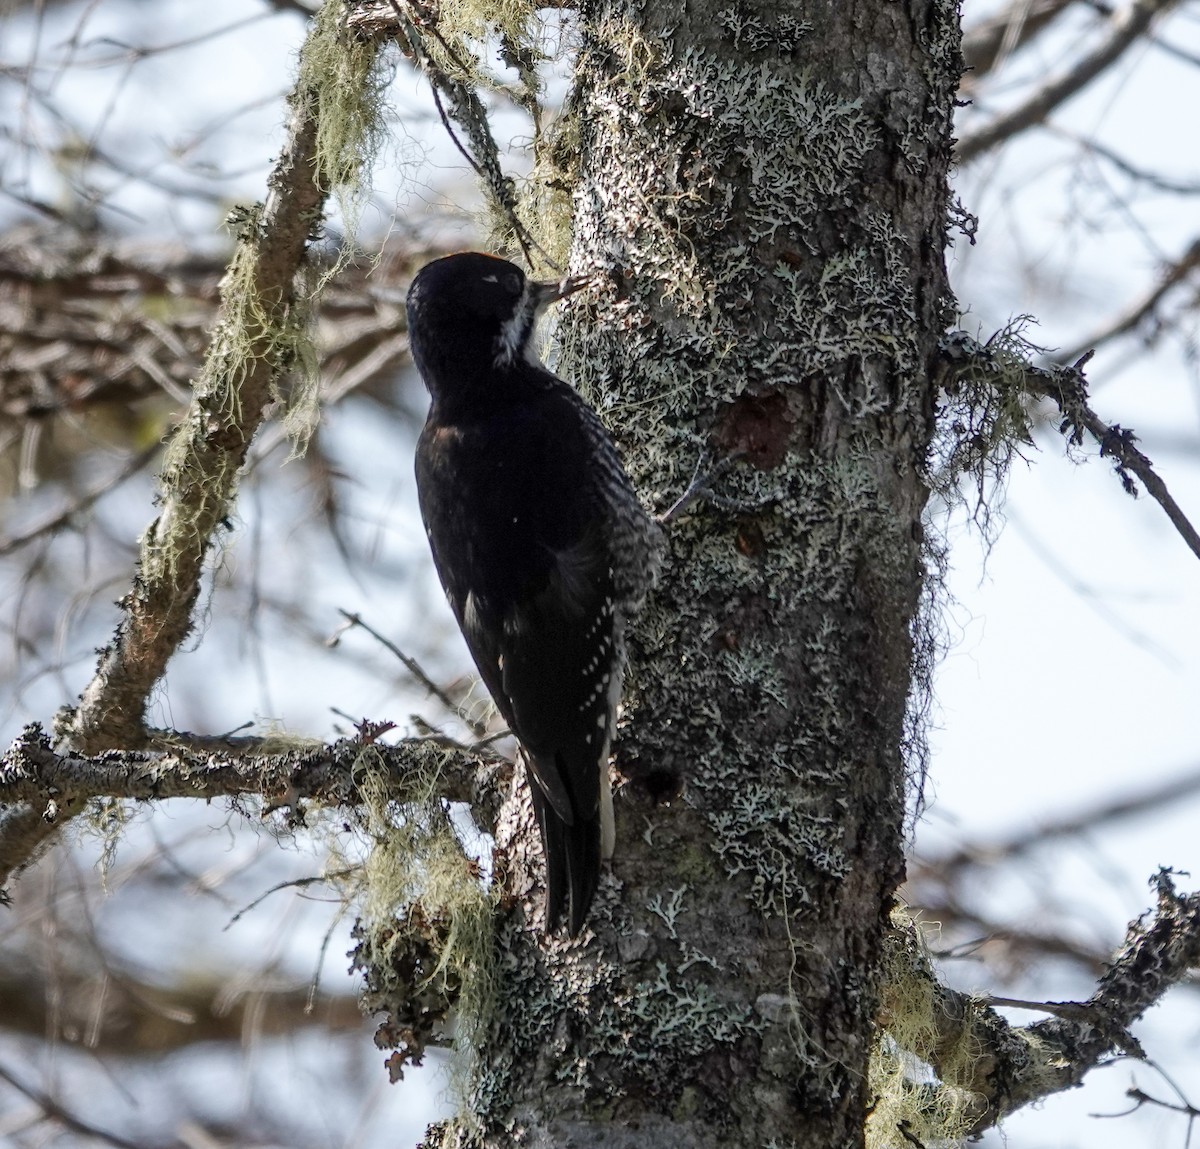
x: 512, y: 283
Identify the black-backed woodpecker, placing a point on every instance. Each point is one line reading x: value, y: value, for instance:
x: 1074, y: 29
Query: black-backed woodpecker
x: 540, y: 543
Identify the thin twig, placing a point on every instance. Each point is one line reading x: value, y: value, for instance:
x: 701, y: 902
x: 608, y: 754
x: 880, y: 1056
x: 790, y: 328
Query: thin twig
x: 290, y: 884
x: 1156, y: 180
x: 55, y: 1111
x: 1172, y: 276
x: 1146, y: 801
x: 1068, y: 1009
x: 85, y: 502
x: 1011, y: 943
x: 466, y: 108
x: 418, y: 672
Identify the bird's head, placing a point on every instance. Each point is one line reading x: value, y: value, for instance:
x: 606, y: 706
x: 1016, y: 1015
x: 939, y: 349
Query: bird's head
x: 469, y: 313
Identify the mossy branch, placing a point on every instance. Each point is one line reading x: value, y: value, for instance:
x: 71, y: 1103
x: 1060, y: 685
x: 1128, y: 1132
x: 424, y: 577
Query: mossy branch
x: 41, y: 786
x: 261, y: 335
x: 1006, y: 1067
x: 998, y: 368
x: 454, y: 76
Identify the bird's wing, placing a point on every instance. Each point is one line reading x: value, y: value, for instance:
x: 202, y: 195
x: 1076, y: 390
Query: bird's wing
x: 542, y: 663
x: 557, y: 650
x: 533, y: 593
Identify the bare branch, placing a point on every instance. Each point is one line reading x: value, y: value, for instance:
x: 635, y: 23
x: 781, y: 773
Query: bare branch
x: 57, y: 1112
x: 42, y: 786
x: 1143, y: 310
x: 115, y: 1012
x: 988, y: 44
x: 78, y: 506
x: 1125, y: 29
x: 75, y: 328
x: 1017, y: 946
x: 1140, y: 1097
x: 1153, y: 179
x: 1175, y: 51
x: 1017, y: 1066
x: 1085, y: 821
x: 963, y: 355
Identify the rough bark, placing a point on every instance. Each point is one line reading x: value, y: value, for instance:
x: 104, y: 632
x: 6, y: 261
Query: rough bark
x: 766, y: 188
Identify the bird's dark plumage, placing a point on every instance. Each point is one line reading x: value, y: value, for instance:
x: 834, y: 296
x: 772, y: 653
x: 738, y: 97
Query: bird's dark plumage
x: 541, y: 545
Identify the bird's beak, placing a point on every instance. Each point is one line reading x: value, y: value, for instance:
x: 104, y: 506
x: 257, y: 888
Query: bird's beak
x: 545, y: 294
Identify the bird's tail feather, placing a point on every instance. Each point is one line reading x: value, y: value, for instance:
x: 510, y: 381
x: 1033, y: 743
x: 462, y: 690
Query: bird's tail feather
x: 572, y: 865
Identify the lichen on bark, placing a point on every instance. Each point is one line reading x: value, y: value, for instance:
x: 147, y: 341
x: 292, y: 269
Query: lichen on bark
x: 767, y: 201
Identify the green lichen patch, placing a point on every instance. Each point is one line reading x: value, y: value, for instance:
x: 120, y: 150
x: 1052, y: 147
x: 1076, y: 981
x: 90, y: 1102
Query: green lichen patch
x: 986, y: 417
x: 663, y: 1026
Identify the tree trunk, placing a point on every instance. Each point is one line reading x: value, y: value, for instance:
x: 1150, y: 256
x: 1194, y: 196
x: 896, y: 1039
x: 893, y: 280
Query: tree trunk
x: 767, y: 184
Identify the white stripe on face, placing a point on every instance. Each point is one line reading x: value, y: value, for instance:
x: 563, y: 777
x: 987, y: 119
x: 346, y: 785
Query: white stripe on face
x: 516, y: 332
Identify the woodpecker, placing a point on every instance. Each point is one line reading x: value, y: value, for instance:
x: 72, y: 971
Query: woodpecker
x: 540, y: 543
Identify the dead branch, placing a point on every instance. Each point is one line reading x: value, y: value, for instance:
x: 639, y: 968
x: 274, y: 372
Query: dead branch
x: 1017, y: 1066
x: 964, y: 356
x: 40, y: 785
x: 1125, y: 28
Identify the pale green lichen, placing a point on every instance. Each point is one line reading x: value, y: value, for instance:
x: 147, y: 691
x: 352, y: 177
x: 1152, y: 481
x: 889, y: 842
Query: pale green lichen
x: 109, y: 818
x: 663, y: 1024
x: 909, y: 1100
x: 986, y: 420
x: 426, y: 923
x: 342, y: 84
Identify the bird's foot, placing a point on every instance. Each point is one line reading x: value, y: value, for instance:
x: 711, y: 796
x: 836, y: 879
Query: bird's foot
x: 701, y: 487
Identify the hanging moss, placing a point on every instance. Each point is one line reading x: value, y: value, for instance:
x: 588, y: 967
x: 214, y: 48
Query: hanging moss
x: 426, y: 935
x: 346, y: 81
x: 908, y: 1099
